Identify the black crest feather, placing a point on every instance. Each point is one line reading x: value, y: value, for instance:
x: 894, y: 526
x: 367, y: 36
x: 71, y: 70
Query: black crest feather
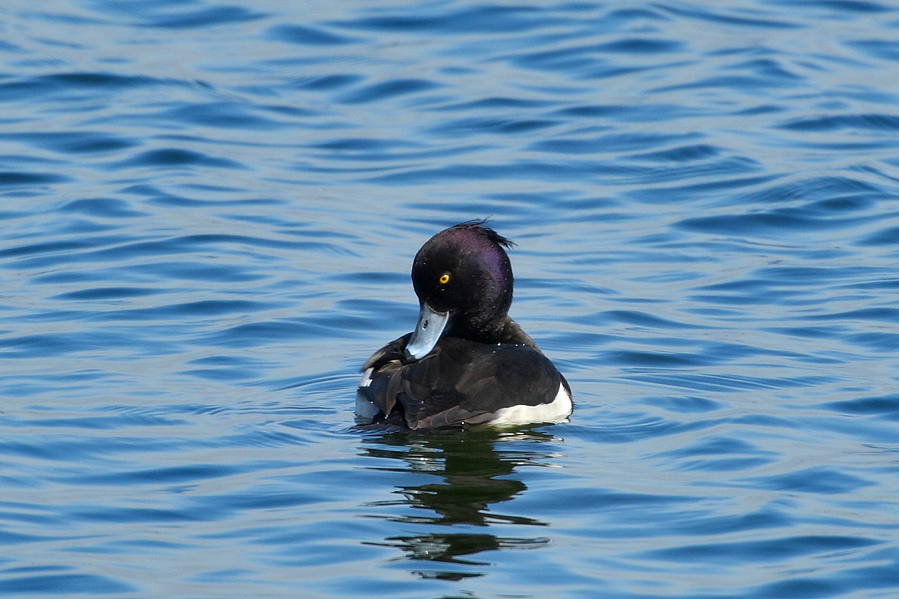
x: 480, y: 224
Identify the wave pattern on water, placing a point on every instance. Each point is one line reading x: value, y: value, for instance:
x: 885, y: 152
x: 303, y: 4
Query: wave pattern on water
x: 209, y: 213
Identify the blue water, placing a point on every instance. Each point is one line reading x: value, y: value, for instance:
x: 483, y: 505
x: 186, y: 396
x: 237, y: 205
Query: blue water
x: 208, y: 213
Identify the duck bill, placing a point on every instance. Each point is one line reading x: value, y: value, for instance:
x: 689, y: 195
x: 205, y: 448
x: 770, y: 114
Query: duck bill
x: 427, y: 332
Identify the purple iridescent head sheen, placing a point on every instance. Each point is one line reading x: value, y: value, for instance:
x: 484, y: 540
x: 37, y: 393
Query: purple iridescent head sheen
x: 465, y: 272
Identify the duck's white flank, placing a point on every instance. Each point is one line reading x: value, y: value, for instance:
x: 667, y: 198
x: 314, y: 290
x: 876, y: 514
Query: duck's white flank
x: 556, y: 411
x: 365, y: 381
x: 364, y: 408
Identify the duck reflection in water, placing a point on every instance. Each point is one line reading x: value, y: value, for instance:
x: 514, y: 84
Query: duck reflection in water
x: 472, y: 468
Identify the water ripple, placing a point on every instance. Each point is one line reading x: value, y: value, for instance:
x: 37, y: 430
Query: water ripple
x: 209, y: 213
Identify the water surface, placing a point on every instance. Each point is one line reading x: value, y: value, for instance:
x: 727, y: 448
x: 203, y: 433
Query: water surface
x: 209, y: 213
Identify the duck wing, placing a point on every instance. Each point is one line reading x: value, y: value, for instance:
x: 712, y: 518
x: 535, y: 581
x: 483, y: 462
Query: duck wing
x: 379, y: 370
x: 462, y: 382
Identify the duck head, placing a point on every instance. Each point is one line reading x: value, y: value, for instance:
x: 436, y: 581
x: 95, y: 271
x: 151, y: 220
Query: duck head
x: 463, y: 279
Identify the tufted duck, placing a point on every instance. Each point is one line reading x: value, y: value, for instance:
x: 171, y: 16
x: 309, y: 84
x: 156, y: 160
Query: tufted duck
x: 466, y: 362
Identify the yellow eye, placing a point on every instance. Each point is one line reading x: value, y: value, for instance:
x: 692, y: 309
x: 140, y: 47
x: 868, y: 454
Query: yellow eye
x: 444, y: 278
